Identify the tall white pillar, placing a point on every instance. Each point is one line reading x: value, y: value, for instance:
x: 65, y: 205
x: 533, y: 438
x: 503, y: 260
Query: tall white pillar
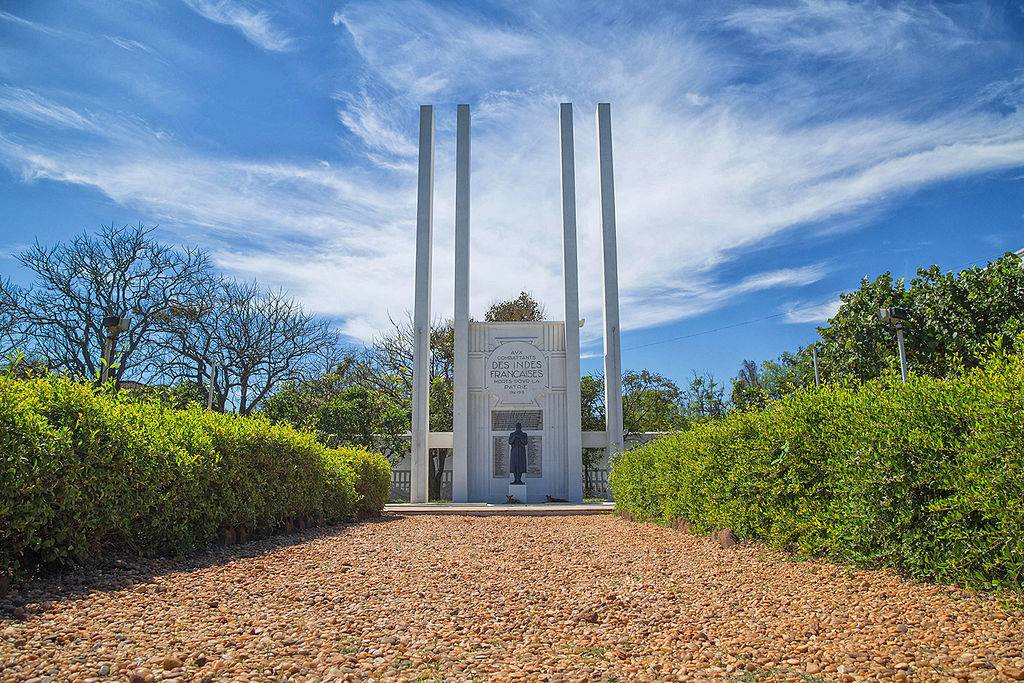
x: 609, y: 260
x: 421, y: 313
x: 460, y: 407
x: 570, y: 274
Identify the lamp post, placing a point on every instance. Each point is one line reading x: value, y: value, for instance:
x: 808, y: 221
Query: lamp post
x: 213, y: 382
x: 814, y: 357
x: 114, y: 325
x: 896, y: 317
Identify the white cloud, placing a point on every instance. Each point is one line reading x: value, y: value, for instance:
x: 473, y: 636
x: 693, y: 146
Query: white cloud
x: 657, y: 304
x: 840, y: 29
x: 255, y: 25
x: 129, y: 44
x: 371, y: 122
x: 27, y: 104
x: 708, y: 163
x: 35, y: 26
x: 812, y: 313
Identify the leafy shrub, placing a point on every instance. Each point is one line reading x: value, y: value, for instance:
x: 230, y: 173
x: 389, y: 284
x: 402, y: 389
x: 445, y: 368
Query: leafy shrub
x: 82, y: 472
x: 373, y: 481
x: 926, y: 478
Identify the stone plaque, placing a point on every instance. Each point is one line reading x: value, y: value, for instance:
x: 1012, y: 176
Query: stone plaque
x: 533, y: 457
x: 516, y: 372
x: 505, y: 420
x: 501, y: 457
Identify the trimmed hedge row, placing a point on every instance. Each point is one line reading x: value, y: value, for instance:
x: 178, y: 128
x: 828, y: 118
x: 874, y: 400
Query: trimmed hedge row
x: 83, y: 472
x: 926, y: 478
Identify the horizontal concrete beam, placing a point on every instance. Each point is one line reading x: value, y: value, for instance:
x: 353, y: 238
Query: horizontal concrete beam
x: 595, y: 439
x: 440, y: 440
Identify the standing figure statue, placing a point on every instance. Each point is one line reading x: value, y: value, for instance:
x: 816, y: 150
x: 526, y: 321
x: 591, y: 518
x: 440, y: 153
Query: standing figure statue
x: 517, y: 460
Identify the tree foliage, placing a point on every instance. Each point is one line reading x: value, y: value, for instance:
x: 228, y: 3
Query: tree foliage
x: 343, y: 410
x: 118, y: 271
x: 704, y: 398
x: 651, y: 402
x: 521, y: 309
x: 184, y: 318
x: 954, y: 318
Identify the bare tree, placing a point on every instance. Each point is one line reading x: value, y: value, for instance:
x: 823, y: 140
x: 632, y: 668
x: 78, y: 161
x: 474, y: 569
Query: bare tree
x: 118, y: 272
x: 386, y: 365
x: 266, y: 339
x: 256, y: 340
x: 8, y: 328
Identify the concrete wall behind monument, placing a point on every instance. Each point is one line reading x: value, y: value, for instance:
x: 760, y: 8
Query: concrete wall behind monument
x: 517, y: 374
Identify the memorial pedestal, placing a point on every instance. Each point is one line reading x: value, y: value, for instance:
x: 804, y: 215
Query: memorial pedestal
x: 518, y: 492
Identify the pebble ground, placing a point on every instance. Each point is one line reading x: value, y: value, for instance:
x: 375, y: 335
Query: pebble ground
x: 500, y: 598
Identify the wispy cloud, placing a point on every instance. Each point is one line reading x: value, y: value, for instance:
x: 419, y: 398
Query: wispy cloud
x: 840, y: 29
x: 371, y: 121
x: 29, y: 105
x: 255, y: 25
x: 34, y: 25
x: 714, y: 156
x: 129, y: 44
x: 703, y: 294
x: 800, y: 312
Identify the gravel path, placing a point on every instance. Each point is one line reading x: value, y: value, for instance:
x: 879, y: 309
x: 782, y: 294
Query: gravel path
x: 463, y: 598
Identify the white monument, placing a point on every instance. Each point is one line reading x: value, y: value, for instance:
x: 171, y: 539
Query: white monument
x: 516, y: 408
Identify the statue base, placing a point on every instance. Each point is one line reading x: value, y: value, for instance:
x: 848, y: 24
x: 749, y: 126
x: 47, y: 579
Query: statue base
x: 517, y: 492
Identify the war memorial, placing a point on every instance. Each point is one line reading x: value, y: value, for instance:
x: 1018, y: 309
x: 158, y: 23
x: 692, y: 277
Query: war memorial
x: 516, y: 429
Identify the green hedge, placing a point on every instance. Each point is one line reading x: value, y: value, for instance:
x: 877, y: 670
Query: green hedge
x: 83, y: 472
x: 926, y: 478
x: 373, y: 481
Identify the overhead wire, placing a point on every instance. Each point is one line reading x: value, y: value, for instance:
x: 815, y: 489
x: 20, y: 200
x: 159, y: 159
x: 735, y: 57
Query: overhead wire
x: 717, y: 329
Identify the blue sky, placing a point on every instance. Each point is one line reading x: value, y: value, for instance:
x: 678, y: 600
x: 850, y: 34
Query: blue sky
x: 767, y: 157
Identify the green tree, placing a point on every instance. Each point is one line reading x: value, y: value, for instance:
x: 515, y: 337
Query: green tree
x: 704, y: 399
x: 787, y: 373
x: 747, y: 392
x: 855, y: 343
x: 523, y: 308
x: 954, y: 318
x: 650, y: 403
x: 343, y: 411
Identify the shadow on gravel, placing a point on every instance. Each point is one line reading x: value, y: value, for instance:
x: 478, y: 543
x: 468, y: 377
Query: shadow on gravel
x: 33, y: 595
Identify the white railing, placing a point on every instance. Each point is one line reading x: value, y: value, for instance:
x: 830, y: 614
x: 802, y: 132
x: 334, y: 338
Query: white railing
x: 595, y: 483
x: 401, y: 485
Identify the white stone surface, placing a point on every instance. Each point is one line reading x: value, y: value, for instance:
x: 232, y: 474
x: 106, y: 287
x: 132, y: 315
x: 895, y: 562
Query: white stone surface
x: 421, y: 313
x: 460, y: 399
x: 570, y: 276
x: 486, y: 482
x: 516, y: 372
x: 518, y: 491
x: 609, y: 260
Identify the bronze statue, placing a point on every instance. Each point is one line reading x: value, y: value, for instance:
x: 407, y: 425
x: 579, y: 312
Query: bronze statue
x: 517, y: 460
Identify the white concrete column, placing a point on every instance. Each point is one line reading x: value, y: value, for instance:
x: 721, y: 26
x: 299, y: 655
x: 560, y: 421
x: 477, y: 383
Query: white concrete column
x: 419, y: 487
x: 570, y: 274
x: 460, y: 407
x: 609, y: 260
